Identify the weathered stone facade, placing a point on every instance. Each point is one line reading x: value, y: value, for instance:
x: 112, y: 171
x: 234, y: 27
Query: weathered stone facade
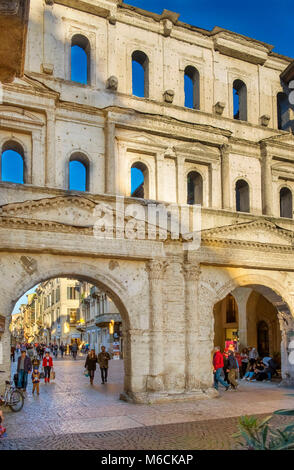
x: 165, y: 294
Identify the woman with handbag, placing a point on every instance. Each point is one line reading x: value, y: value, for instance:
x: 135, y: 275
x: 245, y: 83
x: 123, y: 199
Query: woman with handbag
x: 90, y: 364
x: 47, y: 364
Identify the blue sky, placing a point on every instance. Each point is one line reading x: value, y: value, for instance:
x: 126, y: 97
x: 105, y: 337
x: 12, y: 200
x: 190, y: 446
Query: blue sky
x: 269, y: 21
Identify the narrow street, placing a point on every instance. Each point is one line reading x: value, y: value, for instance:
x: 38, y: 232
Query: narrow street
x: 71, y: 414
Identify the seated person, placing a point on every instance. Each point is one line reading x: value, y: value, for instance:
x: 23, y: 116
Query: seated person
x: 271, y: 369
x: 249, y: 371
x: 259, y: 373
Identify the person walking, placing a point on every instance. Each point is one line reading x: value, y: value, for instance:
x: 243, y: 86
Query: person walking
x: 232, y: 368
x: 61, y: 348
x: 30, y: 352
x: 90, y: 364
x: 74, y: 350
x: 13, y: 353
x: 24, y: 367
x: 103, y: 358
x: 244, y: 361
x: 47, y: 364
x: 218, y: 364
x: 36, y: 381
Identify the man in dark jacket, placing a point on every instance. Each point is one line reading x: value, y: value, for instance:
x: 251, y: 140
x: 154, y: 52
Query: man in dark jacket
x: 232, y: 368
x: 103, y: 359
x: 24, y: 367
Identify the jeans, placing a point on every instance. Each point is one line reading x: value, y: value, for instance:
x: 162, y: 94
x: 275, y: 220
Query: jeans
x: 248, y: 374
x: 47, y: 370
x: 104, y: 371
x: 218, y: 379
x: 22, y: 379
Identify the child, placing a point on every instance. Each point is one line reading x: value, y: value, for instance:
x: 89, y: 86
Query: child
x: 36, y: 380
x: 2, y: 429
x: 36, y: 363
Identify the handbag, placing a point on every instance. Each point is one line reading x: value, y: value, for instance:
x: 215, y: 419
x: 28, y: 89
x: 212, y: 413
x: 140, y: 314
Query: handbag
x: 86, y: 373
x: 53, y: 375
x: 42, y: 375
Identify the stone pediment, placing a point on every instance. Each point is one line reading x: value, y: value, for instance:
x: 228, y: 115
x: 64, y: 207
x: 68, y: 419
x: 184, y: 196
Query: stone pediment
x: 284, y: 139
x: 18, y: 114
x: 260, y: 232
x: 71, y: 210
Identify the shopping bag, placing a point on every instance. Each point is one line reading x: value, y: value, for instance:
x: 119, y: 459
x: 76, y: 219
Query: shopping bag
x: 86, y: 373
x: 52, y: 375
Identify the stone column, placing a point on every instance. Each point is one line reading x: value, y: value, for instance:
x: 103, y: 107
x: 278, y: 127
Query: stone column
x: 5, y: 343
x: 111, y: 170
x: 225, y: 173
x: 241, y: 295
x: 215, y: 197
x: 287, y: 348
x: 159, y: 177
x: 50, y: 149
x: 266, y: 181
x: 181, y: 181
x: 156, y: 269
x: 191, y: 274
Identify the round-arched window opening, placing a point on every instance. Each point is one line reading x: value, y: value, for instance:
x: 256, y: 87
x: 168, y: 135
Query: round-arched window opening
x: 80, y: 59
x: 194, y: 188
x: 242, y: 196
x: 139, y: 180
x: 239, y: 100
x: 286, y: 204
x: 191, y: 87
x: 140, y: 74
x: 78, y: 173
x: 12, y: 163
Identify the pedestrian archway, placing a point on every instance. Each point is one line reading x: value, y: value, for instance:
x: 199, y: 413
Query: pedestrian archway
x: 263, y: 321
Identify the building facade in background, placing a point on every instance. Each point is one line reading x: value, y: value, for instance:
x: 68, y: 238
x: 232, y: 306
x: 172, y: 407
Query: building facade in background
x: 66, y: 310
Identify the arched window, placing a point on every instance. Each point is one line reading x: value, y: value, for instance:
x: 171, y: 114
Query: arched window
x: 286, y: 209
x: 194, y: 188
x: 12, y: 162
x: 242, y: 196
x: 240, y: 100
x: 80, y: 59
x: 140, y: 74
x: 139, y: 180
x: 191, y: 84
x: 283, y: 111
x: 79, y: 172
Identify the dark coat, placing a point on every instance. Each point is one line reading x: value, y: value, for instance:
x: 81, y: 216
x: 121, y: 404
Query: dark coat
x: 27, y: 364
x: 91, y: 362
x: 232, y: 362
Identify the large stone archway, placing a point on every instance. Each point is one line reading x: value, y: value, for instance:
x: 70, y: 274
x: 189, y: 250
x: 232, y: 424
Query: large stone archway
x: 269, y: 286
x: 29, y: 270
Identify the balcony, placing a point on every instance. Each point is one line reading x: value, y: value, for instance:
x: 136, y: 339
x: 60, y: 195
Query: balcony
x: 104, y: 320
x: 94, y: 292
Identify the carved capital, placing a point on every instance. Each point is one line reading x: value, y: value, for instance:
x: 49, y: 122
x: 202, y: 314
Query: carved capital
x: 191, y: 271
x: 156, y: 269
x: 225, y: 149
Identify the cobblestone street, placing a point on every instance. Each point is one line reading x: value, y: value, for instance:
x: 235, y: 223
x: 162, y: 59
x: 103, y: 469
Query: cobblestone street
x: 70, y: 414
